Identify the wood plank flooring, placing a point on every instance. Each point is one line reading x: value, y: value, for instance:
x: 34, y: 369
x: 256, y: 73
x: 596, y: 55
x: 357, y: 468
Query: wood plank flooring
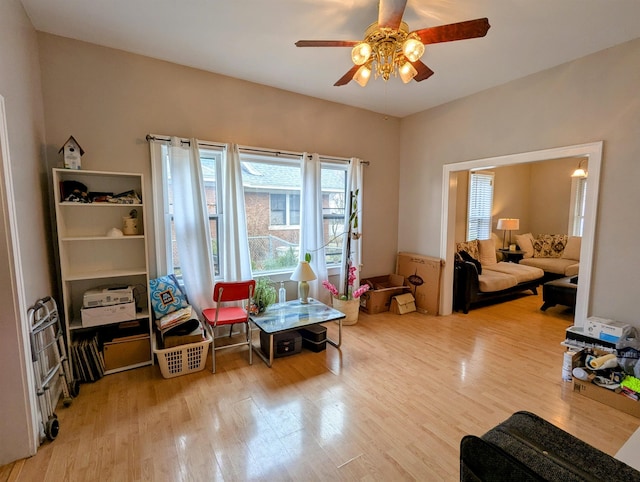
x: 392, y: 404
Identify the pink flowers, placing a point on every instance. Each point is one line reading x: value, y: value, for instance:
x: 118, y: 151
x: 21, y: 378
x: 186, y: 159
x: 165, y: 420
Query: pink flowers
x: 358, y: 293
x: 331, y: 288
x: 352, y: 294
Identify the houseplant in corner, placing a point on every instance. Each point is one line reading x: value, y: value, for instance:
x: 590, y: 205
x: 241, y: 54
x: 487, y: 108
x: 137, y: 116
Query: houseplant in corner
x: 349, y: 302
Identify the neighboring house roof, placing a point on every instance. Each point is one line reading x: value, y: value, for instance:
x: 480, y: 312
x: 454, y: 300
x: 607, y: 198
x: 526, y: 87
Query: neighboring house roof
x: 258, y: 175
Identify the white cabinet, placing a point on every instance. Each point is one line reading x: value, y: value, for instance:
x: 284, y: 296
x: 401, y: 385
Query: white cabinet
x: 91, y: 257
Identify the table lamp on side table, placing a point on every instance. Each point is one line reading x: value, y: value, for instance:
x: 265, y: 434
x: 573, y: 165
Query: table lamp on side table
x: 302, y: 274
x: 507, y: 224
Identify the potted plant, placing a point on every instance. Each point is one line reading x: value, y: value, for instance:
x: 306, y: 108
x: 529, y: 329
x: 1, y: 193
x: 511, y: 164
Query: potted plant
x: 264, y: 295
x: 349, y: 301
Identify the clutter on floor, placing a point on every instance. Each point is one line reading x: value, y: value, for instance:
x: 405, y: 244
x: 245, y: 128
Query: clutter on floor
x: 603, y: 361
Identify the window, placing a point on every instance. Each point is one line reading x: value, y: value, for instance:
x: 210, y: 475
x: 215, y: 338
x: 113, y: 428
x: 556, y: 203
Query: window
x: 284, y: 209
x: 480, y: 205
x: 210, y: 163
x: 578, y: 205
x: 334, y: 203
x: 272, y: 184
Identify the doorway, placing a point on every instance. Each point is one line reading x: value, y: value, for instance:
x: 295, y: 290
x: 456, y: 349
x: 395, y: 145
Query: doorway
x: 592, y: 151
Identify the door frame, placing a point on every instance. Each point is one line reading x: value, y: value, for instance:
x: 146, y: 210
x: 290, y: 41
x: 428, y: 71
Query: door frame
x: 592, y: 151
x: 15, y: 302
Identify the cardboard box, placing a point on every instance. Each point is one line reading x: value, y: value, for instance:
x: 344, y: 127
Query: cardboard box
x: 382, y: 289
x: 423, y: 273
x: 606, y: 396
x: 123, y: 353
x: 402, y: 304
x: 104, y: 315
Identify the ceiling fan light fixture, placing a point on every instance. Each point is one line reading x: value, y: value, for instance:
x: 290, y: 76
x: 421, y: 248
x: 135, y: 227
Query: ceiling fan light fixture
x: 361, y: 53
x: 407, y: 72
x: 413, y: 49
x: 362, y: 75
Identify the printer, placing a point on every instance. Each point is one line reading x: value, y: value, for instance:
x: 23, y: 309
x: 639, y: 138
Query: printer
x: 107, y: 296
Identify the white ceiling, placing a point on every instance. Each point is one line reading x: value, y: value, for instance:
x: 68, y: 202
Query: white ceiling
x: 254, y: 40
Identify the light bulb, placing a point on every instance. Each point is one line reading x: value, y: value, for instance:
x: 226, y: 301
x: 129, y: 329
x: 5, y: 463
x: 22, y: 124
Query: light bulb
x: 407, y: 72
x: 361, y: 53
x: 362, y: 75
x: 413, y: 49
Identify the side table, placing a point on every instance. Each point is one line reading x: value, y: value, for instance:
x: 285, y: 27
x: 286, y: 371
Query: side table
x: 512, y: 256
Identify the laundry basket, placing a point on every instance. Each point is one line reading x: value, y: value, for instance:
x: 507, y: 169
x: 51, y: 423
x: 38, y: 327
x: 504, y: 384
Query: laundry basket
x: 182, y: 359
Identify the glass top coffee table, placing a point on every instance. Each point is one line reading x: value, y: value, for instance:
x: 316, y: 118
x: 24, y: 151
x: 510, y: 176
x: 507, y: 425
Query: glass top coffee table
x: 293, y: 315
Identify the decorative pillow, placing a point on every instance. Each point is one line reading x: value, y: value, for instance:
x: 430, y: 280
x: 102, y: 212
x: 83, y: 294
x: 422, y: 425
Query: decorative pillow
x: 166, y: 296
x: 525, y: 242
x: 487, y: 252
x: 572, y: 249
x: 549, y: 245
x: 467, y: 257
x: 470, y: 247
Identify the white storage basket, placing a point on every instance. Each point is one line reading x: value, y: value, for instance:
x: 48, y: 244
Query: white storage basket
x: 182, y: 359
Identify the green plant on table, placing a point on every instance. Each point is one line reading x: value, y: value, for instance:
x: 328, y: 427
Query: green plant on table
x: 265, y: 294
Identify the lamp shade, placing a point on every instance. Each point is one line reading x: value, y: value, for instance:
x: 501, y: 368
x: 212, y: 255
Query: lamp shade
x: 303, y: 272
x: 508, y: 224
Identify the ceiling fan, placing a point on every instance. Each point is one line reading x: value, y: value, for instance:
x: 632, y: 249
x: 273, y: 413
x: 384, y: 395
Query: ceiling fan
x: 390, y: 48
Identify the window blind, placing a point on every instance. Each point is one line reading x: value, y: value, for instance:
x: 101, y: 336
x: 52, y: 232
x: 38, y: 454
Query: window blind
x: 480, y: 205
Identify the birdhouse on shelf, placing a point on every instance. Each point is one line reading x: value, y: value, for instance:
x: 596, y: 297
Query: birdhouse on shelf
x: 72, y: 152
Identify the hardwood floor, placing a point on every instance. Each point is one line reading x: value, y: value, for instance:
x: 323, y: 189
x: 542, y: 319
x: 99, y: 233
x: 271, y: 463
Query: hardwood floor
x: 393, y: 404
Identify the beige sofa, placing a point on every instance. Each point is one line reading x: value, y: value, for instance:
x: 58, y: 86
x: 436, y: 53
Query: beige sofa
x: 479, y: 276
x: 558, y: 255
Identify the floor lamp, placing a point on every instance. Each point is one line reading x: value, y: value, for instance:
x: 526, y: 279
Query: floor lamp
x: 508, y: 224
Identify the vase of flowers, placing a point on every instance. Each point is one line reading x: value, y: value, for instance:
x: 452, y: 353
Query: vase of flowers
x: 349, y: 302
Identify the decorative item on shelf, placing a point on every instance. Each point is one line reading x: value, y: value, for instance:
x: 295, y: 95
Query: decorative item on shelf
x: 130, y: 223
x: 115, y: 233
x: 508, y: 224
x: 72, y: 152
x: 580, y: 171
x: 302, y: 275
x: 264, y: 295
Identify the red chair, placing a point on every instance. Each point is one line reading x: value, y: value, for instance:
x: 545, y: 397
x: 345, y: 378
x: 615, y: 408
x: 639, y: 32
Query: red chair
x: 229, y: 315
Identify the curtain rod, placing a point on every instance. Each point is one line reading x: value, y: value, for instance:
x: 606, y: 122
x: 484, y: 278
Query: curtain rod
x: 150, y: 137
x: 187, y: 142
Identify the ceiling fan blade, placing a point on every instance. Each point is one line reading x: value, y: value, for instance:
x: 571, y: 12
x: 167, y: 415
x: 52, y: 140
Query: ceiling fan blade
x: 346, y: 78
x: 327, y: 43
x: 454, y: 31
x: 424, y: 72
x: 390, y: 13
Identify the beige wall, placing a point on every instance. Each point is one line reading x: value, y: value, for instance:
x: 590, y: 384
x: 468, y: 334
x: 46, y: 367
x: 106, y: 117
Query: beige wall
x: 590, y: 99
x: 109, y: 100
x: 538, y: 194
x: 20, y: 87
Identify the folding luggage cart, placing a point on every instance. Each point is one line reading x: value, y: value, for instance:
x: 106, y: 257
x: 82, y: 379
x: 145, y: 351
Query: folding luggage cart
x: 50, y: 363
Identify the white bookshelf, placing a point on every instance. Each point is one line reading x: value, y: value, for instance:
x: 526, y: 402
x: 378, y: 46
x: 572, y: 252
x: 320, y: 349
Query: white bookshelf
x: 89, y: 258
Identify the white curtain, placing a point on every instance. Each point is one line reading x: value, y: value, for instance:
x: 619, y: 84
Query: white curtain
x: 236, y: 263
x: 312, y: 225
x: 354, y: 186
x: 190, y: 217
